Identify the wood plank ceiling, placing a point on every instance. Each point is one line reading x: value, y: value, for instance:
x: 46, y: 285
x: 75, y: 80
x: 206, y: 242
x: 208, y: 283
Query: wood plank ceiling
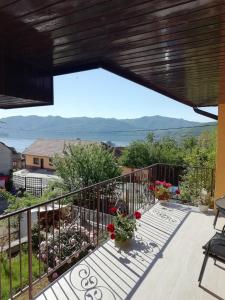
x: 175, y: 47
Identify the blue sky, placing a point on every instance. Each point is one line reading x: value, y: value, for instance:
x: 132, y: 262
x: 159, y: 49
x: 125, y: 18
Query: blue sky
x: 98, y: 93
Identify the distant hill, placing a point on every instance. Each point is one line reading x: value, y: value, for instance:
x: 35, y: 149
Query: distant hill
x: 121, y: 131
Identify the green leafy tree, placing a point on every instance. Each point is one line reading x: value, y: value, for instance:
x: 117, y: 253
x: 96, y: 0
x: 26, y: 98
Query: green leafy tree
x: 83, y: 165
x: 144, y: 153
x: 136, y: 155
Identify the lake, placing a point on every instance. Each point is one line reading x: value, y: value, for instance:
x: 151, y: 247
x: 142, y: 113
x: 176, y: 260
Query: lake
x: 18, y: 144
x: 21, y: 144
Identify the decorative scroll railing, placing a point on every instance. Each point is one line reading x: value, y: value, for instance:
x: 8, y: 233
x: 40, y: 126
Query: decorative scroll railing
x: 43, y: 240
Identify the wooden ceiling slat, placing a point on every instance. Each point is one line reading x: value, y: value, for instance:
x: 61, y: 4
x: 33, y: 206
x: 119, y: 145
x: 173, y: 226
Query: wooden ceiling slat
x: 195, y: 45
x: 176, y: 47
x: 139, y: 23
x: 6, y: 3
x: 106, y: 7
x: 173, y: 21
x: 174, y: 62
x: 169, y: 56
x: 155, y: 53
x: 178, y: 43
x: 145, y: 45
x: 151, y: 35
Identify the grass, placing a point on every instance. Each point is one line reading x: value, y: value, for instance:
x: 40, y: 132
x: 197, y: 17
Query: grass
x: 15, y: 267
x: 38, y: 287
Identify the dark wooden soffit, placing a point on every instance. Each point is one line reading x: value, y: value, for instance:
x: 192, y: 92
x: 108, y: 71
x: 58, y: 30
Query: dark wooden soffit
x: 175, y: 47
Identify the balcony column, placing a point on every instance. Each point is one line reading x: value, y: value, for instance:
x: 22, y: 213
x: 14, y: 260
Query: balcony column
x: 220, y: 158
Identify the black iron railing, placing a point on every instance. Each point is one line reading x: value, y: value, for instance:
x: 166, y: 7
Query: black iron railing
x: 38, y: 241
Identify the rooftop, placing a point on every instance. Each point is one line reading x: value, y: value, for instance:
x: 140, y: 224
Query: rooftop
x: 163, y: 262
x: 49, y: 148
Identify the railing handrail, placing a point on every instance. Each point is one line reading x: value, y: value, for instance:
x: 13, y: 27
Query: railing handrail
x: 19, y: 211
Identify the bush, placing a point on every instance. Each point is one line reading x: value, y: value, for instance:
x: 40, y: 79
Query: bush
x: 83, y: 165
x: 201, y: 155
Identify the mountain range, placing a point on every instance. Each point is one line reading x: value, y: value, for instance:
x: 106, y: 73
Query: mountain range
x: 120, y: 131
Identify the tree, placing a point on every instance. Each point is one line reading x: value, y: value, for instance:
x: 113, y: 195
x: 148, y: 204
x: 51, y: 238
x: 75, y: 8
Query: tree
x: 144, y: 153
x: 83, y: 165
x: 136, y: 155
x: 203, y: 152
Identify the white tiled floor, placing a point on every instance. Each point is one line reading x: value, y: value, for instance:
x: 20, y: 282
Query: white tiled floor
x: 163, y: 262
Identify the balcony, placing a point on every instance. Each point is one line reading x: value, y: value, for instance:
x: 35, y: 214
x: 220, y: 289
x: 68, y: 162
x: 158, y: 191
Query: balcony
x: 67, y: 236
x: 162, y: 263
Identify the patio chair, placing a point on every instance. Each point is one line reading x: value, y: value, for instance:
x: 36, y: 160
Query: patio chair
x: 215, y: 248
x: 220, y: 206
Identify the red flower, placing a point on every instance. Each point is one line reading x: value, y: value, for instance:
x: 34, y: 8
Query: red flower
x: 110, y: 228
x: 137, y: 215
x: 113, y: 236
x: 167, y: 185
x: 178, y: 192
x: 158, y: 182
x: 113, y: 210
x: 151, y: 188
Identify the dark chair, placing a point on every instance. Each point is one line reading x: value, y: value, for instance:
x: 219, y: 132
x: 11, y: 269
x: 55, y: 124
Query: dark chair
x: 220, y: 206
x: 215, y: 248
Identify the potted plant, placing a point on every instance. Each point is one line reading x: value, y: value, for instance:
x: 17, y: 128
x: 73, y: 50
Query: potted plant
x: 203, y: 200
x: 161, y: 190
x: 122, y: 227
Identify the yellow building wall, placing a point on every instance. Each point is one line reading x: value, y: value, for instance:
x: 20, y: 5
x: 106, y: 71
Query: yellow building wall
x: 220, y: 160
x: 30, y: 162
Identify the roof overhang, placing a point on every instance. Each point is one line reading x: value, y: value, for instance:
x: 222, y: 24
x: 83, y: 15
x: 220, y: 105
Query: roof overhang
x: 173, y: 47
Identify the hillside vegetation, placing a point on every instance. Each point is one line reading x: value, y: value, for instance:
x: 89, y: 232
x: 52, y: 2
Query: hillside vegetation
x: 125, y: 130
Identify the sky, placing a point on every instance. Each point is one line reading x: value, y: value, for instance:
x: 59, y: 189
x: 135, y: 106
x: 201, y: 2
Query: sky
x: 99, y: 93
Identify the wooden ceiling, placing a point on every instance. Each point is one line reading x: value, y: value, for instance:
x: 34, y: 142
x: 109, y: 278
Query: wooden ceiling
x: 175, y: 47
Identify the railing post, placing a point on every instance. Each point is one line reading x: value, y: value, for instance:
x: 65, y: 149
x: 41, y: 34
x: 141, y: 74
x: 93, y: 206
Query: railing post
x: 133, y: 195
x: 10, y: 259
x: 29, y: 238
x: 98, y: 210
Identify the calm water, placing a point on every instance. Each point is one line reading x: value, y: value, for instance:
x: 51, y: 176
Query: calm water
x: 18, y: 144
x: 21, y: 144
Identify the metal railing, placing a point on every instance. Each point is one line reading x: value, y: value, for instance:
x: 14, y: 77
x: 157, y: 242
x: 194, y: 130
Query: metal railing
x: 41, y: 240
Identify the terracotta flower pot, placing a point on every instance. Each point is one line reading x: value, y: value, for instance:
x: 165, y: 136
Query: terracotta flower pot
x: 124, y: 245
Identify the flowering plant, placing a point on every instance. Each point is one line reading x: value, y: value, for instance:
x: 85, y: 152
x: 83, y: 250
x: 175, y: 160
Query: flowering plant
x: 122, y: 226
x: 161, y: 189
x: 58, y: 248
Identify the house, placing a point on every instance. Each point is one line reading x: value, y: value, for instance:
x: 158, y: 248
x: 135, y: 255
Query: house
x: 39, y: 155
x: 8, y: 157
